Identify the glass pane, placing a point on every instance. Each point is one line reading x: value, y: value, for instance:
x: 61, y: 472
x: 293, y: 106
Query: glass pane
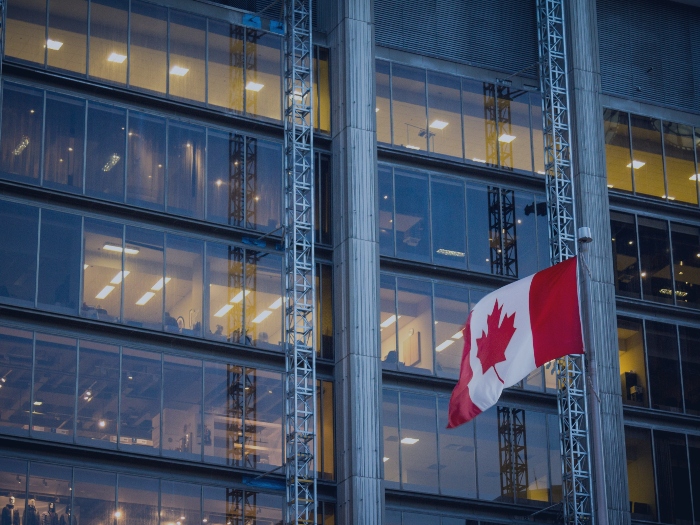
x: 50, y: 488
x: 415, y: 325
x: 263, y: 185
x: 67, y: 35
x: 264, y: 509
x: 630, y: 340
x: 59, y: 262
x: 386, y: 211
x: 140, y: 401
x: 664, y: 373
x: 681, y: 175
x: 146, y: 168
x: 22, y: 110
x: 143, y: 279
x: 393, y: 517
x: 18, y: 246
x: 222, y: 505
x: 94, y: 497
x: 184, y: 285
x: 263, y: 312
x: 383, y: 109
x: 226, y: 55
x: 148, y: 45
x: 489, y: 468
x: 324, y: 200
x: 412, y: 228
x: 449, y: 222
x: 694, y: 455
x: 180, y: 502
x: 457, y: 456
x: 390, y: 419
x: 451, y: 311
x: 15, y: 380
x: 420, y: 519
x: 187, y: 56
x: 104, y: 170
x: 554, y: 457
x: 544, y: 258
x: 225, y: 286
x: 225, y: 178
x: 64, y: 142
x: 54, y: 387
x: 478, y: 228
x: 186, y: 157
x: 625, y: 257
x: 108, y: 35
x: 526, y: 233
x: 514, y: 129
x: 479, y: 116
x: 686, y: 264
x: 537, y: 135
x: 617, y: 149
x: 419, y: 467
x: 102, y: 270
x: 98, y: 394
x: 444, y: 115
x: 263, y: 89
x: 182, y: 408
x: 536, y: 455
x: 325, y: 429
x: 690, y: 358
x: 387, y: 321
x: 409, y: 113
x: 264, y: 402
x: 13, y: 484
x: 656, y: 260
x: 223, y: 414
x: 672, y: 478
x: 138, y: 500
x: 323, y: 107
x: 647, y: 161
x: 25, y: 32
x: 327, y: 343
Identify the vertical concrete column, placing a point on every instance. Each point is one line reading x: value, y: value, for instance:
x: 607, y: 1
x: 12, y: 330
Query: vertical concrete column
x: 600, y: 326
x: 356, y: 265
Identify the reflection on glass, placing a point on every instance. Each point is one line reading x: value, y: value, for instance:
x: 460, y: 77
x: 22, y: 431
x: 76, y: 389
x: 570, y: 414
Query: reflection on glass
x: 54, y: 387
x: 263, y: 90
x: 444, y: 115
x: 25, y: 30
x: 412, y: 228
x: 184, y: 285
x: 138, y: 500
x: 16, y: 380
x: 59, y: 262
x: 223, y: 413
x: 323, y: 205
x: 18, y: 247
x: 383, y: 109
x: 221, y: 505
x: 543, y: 256
x: 390, y: 420
x: 102, y: 270
x: 64, y: 139
x: 537, y: 134
x: 479, y: 117
x: 263, y: 299
x: 514, y: 129
x: 393, y: 517
x: 139, y: 419
x: 457, y: 456
x: 94, y: 497
x: 536, y: 457
x: 554, y: 457
x: 664, y: 372
x: 50, y: 489
x: 640, y: 473
x: 142, y: 278
x: 617, y: 150
x: 625, y: 256
x: 409, y: 111
x: 411, y: 518
x: 694, y: 456
x: 686, y: 264
x: 324, y: 424
x: 146, y: 167
x: 322, y: 79
x: 106, y: 134
x: 451, y: 311
x: 22, y: 110
x: 681, y: 175
x: 98, y: 394
x: 690, y: 357
x: 225, y: 66
x: 225, y: 286
x: 67, y: 39
x: 225, y: 178
x: 630, y: 340
x: 186, y: 158
x: 647, y: 161
x: 415, y: 323
x: 488, y: 465
x: 108, y: 36
x: 419, y: 466
x: 387, y: 321
x: 148, y: 45
x: 264, y: 398
x: 655, y: 255
x: 326, y: 347
x: 182, y: 408
x: 478, y: 227
x: 263, y: 185
x: 386, y: 210
x: 672, y: 478
x: 448, y: 219
x: 186, y: 77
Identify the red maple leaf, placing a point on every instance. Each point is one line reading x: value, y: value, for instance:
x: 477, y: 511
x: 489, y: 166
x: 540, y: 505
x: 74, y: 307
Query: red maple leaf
x: 491, y: 347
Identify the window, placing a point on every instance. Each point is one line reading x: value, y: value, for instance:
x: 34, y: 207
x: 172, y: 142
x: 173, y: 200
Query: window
x: 16, y: 379
x: 479, y: 120
x: 444, y: 114
x: 182, y: 408
x: 138, y: 500
x: 142, y: 279
x: 618, y: 163
x: 22, y: 114
x: 681, y: 175
x: 448, y: 218
x: 685, y: 241
x: 412, y: 223
x: 50, y: 489
x: 322, y: 79
x: 186, y: 158
x: 146, y: 166
x: 418, y: 442
x: 323, y: 205
x: 647, y: 161
x: 457, y: 456
x: 67, y: 41
x: 148, y: 47
x: 324, y: 311
x: 63, y: 143
x: 383, y: 109
x: 390, y: 420
x: 690, y: 358
x: 140, y: 401
x: 225, y: 288
x: 263, y: 89
x: 489, y: 468
x: 225, y: 66
x: 664, y: 371
x: 386, y: 210
x: 263, y: 185
x: 479, y: 241
x: 630, y: 338
x: 672, y: 478
x: 105, y: 157
x: 223, y: 413
x: 18, y: 250
x: 102, y: 269
x: 26, y: 30
x: 225, y: 178
x: 108, y: 40
x: 264, y: 404
x: 451, y: 311
x: 187, y: 78
x: 415, y: 322
x: 409, y: 107
x: 515, y: 148
x: 184, y: 285
x: 625, y: 254
x: 325, y: 432
x: 655, y: 256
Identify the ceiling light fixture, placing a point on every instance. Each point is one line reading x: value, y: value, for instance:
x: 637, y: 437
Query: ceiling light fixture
x: 385, y: 459
x: 104, y: 292
x: 118, y: 278
x: 254, y: 86
x: 458, y: 335
x: 111, y: 162
x: 391, y: 320
x: 21, y: 146
x: 239, y: 296
x: 116, y: 58
x: 264, y: 315
x: 38, y: 403
x: 410, y: 441
x: 119, y: 249
x: 694, y: 177
x: 442, y: 346
x: 409, y: 146
x: 636, y: 164
x: 54, y: 44
x: 146, y: 297
x: 276, y: 304
x: 506, y: 138
x: 223, y: 310
x: 438, y: 124
x: 159, y: 285
x: 479, y: 160
x: 178, y: 71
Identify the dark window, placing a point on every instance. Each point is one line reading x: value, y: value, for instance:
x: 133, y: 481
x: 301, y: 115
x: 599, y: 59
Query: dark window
x: 48, y: 484
x: 187, y: 77
x: 16, y: 379
x: 263, y: 185
x: 408, y: 107
x: 386, y: 211
x: 64, y: 143
x: 543, y: 245
x: 664, y: 373
x: 140, y: 401
x: 419, y: 466
x: 390, y: 420
x: 225, y: 178
x: 182, y: 408
x: 554, y: 456
x: 672, y: 478
x: 457, y: 456
x: 655, y: 255
x: 324, y: 200
x: 146, y: 167
x: 108, y: 37
x: 104, y: 170
x: 694, y: 456
x: 264, y: 414
x: 478, y: 227
x: 630, y: 340
x: 392, y: 517
x: 640, y: 473
x: 448, y: 219
x: 22, y: 114
x: 525, y: 231
x: 488, y: 465
x: 617, y: 150
x: 625, y: 255
x: 410, y: 518
x: 138, y: 500
x: 18, y: 246
x: 690, y: 359
x: 225, y: 66
x: 186, y: 158
x: 324, y: 325
x: 94, y: 495
x: 148, y: 45
x: 412, y: 228
x: 223, y: 414
x: 686, y: 264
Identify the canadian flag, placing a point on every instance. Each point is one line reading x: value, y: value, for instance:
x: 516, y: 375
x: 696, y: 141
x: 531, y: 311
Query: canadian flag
x: 512, y: 331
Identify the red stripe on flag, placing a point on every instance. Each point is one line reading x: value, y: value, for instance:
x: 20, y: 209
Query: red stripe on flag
x: 461, y: 408
x: 554, y: 312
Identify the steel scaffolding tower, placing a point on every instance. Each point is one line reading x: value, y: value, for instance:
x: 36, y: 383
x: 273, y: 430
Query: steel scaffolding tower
x: 300, y: 391
x: 570, y: 370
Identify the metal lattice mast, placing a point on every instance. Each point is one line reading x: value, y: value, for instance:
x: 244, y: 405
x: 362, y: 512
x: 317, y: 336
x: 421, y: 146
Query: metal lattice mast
x: 300, y: 390
x: 570, y: 370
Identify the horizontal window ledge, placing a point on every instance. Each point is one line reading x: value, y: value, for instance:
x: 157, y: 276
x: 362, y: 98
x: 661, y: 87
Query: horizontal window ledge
x: 651, y: 206
x: 657, y: 311
x: 660, y: 419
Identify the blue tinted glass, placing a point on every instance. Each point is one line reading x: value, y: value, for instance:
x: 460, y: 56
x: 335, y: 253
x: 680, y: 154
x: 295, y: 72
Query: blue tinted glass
x: 412, y: 230
x: 182, y: 408
x: 64, y: 142
x: 186, y: 157
x: 386, y: 211
x: 22, y: 113
x: 526, y: 233
x: 104, y: 172
x: 543, y: 258
x: 263, y: 186
x: 59, y: 262
x: 448, y: 222
x: 225, y: 179
x: 18, y: 245
x: 146, y: 168
x: 478, y: 229
x: 16, y: 380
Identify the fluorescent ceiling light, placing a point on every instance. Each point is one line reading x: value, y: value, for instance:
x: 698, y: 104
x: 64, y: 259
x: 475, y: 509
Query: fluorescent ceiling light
x: 451, y: 253
x: 224, y: 310
x: 118, y: 249
x: 239, y: 296
x: 458, y: 335
x: 159, y: 284
x: 117, y: 58
x: 636, y: 164
x: 38, y: 403
x: 146, y: 297
x: 479, y: 160
x: 541, y: 172
x: 385, y: 459
x: 179, y: 71
x: 409, y: 441
x: 391, y: 320
x: 54, y: 44
x: 104, y: 292
x: 118, y: 278
x: 276, y: 304
x: 86, y: 266
x: 254, y: 86
x: 610, y: 185
x: 264, y: 315
x: 376, y: 110
x: 694, y: 177
x: 111, y: 162
x: 669, y: 198
x: 21, y: 146
x: 412, y: 147
x: 441, y: 347
x: 506, y: 138
x: 439, y: 124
